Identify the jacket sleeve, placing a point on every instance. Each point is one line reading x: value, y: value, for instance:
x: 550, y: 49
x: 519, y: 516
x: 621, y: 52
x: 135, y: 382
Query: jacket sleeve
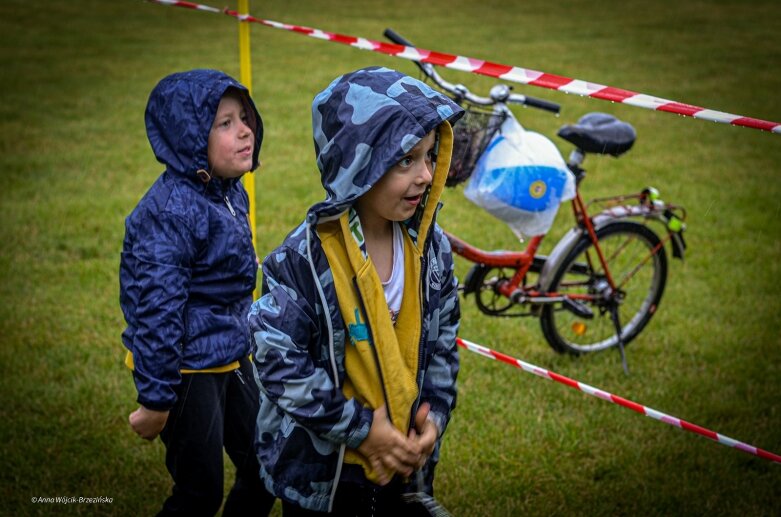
x: 439, y: 381
x: 163, y: 251
x: 286, y: 327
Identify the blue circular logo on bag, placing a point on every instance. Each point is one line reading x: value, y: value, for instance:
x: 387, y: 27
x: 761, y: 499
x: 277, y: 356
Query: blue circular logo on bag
x: 533, y: 188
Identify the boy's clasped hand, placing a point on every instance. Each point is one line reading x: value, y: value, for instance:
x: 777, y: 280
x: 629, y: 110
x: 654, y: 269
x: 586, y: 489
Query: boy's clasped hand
x: 390, y: 452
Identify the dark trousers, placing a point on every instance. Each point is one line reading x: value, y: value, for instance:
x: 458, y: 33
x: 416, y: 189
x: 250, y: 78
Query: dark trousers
x: 358, y: 500
x: 214, y: 410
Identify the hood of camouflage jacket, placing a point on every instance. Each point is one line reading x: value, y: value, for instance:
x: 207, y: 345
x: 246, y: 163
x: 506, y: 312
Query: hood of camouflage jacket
x: 363, y: 123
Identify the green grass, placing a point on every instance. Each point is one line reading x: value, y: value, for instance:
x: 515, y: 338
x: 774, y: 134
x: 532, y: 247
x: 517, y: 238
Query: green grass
x: 74, y: 161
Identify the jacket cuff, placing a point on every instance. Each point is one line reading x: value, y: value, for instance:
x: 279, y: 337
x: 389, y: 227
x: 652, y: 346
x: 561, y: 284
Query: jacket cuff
x: 153, y: 394
x: 440, y: 421
x: 361, y: 430
x: 440, y: 415
x: 155, y: 405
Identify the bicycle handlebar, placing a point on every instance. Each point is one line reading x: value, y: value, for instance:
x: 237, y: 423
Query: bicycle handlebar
x: 542, y: 104
x: 499, y: 93
x: 459, y: 91
x: 395, y: 37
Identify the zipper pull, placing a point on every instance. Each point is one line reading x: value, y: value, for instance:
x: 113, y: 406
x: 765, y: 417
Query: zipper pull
x: 230, y: 207
x: 241, y: 376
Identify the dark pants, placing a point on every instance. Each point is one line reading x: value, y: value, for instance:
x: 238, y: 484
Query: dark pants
x: 354, y: 500
x: 214, y: 410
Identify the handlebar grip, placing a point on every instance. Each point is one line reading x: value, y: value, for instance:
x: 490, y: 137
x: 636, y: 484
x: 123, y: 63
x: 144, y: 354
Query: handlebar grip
x: 395, y: 37
x: 543, y: 104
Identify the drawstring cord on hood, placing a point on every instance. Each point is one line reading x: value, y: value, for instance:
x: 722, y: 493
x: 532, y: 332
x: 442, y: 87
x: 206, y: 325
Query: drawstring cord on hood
x: 206, y: 177
x: 310, y: 220
x: 309, y: 229
x: 203, y: 175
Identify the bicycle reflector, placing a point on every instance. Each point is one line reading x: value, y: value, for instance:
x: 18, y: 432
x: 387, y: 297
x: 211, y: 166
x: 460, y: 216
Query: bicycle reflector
x: 579, y: 328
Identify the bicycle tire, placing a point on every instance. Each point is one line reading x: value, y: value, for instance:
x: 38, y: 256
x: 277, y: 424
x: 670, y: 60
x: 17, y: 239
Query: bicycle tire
x: 625, y: 244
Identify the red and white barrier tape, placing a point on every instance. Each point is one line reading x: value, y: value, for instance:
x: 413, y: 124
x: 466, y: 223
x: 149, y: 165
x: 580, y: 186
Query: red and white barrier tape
x: 643, y: 410
x: 504, y: 72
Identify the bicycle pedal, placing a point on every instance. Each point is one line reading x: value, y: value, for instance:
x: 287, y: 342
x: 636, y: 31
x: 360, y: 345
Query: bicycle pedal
x: 577, y: 308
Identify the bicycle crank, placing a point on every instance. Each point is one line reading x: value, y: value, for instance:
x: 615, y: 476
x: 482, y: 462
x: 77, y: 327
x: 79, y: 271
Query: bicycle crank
x: 577, y: 308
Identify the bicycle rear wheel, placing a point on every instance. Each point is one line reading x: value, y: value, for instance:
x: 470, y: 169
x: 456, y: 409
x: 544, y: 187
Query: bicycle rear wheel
x: 637, y: 263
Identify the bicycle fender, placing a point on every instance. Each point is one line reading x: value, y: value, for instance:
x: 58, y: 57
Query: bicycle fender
x: 678, y: 244
x: 619, y: 212
x: 559, y: 253
x: 676, y: 236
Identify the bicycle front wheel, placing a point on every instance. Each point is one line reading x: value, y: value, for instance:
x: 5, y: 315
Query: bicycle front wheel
x: 636, y: 261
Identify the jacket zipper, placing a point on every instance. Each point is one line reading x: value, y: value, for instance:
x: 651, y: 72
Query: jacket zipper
x: 421, y: 346
x: 423, y: 309
x: 373, y: 347
x: 228, y: 203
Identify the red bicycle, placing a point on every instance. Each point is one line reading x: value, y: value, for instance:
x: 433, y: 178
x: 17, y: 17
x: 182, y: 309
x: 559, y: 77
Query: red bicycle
x: 603, y: 281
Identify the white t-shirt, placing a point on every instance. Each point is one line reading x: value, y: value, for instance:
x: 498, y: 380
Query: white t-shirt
x: 394, y: 287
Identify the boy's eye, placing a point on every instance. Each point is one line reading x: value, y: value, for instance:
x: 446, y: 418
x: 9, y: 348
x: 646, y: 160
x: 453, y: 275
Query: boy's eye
x: 406, y: 161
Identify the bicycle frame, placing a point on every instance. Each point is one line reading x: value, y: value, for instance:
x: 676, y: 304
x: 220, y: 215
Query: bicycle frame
x: 526, y: 261
x: 576, y: 276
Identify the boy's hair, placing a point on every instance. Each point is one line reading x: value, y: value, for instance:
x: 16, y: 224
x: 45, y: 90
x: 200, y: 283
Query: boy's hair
x: 180, y: 114
x: 246, y: 102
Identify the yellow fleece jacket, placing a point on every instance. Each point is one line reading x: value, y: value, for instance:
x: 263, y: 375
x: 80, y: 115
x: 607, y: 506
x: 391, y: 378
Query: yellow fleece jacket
x: 381, y: 360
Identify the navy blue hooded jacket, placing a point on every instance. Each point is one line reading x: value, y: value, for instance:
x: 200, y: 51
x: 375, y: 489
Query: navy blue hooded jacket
x: 188, y: 267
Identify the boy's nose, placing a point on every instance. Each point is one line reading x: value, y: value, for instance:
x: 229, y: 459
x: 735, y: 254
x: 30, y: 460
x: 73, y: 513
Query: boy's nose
x: 424, y: 173
x: 245, y: 129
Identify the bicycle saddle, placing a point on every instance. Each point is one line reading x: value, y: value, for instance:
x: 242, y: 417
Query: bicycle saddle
x: 600, y: 133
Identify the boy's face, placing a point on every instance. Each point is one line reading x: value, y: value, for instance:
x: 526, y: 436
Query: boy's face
x: 399, y: 192
x: 231, y: 141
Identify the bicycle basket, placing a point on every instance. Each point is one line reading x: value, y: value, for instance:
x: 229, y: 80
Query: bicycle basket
x: 471, y: 135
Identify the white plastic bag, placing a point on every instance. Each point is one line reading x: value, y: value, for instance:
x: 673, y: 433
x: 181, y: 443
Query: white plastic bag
x: 521, y: 179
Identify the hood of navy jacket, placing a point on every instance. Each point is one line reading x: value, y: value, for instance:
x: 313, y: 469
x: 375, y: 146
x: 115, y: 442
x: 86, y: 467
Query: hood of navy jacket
x: 180, y: 114
x: 363, y: 123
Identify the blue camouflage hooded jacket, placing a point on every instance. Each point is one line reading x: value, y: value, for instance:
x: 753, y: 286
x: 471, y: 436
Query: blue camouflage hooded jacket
x: 188, y: 267
x: 363, y: 123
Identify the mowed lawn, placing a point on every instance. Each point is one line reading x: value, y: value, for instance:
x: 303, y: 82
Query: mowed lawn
x: 75, y: 160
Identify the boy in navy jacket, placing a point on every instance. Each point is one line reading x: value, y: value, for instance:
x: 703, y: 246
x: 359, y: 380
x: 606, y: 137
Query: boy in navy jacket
x: 187, y: 273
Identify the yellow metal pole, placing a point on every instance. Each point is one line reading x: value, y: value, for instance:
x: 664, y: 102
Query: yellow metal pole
x: 245, y: 66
